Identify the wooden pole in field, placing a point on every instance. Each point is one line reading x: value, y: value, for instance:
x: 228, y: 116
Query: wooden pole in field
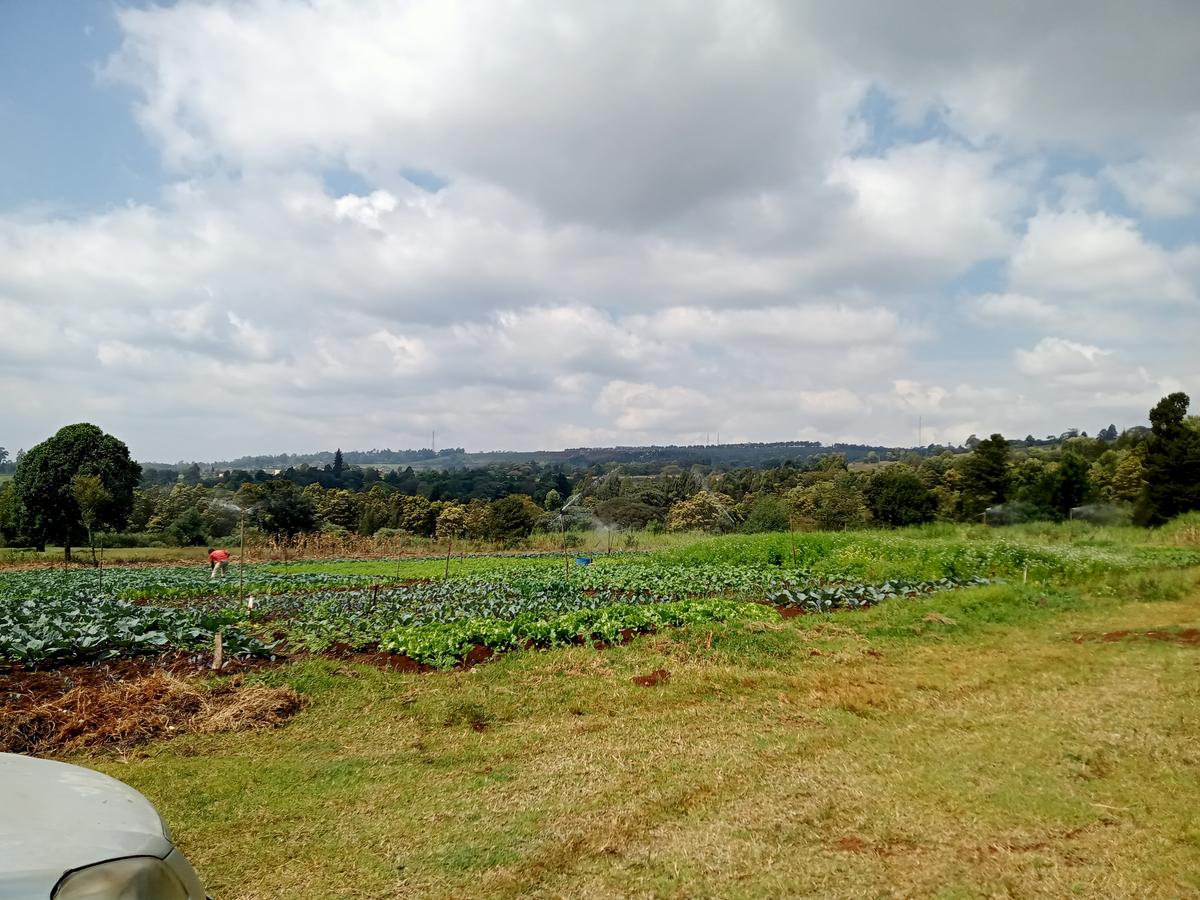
x: 449, y: 550
x: 242, y: 563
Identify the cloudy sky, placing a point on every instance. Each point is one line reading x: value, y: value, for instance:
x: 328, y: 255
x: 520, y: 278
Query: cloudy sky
x: 243, y: 226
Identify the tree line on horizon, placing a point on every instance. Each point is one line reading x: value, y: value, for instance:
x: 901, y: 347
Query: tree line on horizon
x: 82, y: 483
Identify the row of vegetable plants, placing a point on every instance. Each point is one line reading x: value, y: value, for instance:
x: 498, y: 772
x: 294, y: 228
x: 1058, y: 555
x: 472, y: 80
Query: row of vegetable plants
x: 435, y: 620
x: 44, y: 632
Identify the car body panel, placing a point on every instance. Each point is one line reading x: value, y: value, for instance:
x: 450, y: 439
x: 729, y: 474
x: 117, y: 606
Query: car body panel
x: 55, y: 817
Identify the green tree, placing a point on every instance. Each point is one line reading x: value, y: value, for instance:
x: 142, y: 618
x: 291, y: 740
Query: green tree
x: 627, y: 512
x: 897, y: 496
x: 1171, y: 464
x: 985, y: 474
x: 511, y: 518
x: 13, y: 529
x: 188, y: 528
x: 1129, y: 478
x: 452, y: 521
x: 704, y: 511
x: 90, y: 495
x: 339, y: 507
x: 831, y: 504
x: 769, y: 512
x: 280, y: 508
x: 44, y: 483
x: 173, y: 503
x: 1072, y: 485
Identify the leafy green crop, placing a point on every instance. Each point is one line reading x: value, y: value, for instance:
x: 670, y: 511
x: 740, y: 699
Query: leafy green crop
x: 74, y: 629
x: 505, y: 601
x: 444, y: 644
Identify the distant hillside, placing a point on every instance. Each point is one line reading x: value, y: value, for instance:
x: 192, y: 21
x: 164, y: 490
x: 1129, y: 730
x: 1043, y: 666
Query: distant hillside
x: 754, y: 455
x: 654, y: 457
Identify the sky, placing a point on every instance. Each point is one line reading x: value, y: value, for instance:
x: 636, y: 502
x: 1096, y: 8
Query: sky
x: 250, y: 226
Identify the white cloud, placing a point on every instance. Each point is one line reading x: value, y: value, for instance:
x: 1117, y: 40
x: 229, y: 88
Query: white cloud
x: 1098, y: 256
x: 924, y: 200
x: 613, y: 113
x: 1056, y: 357
x: 650, y: 223
x: 1015, y: 308
x: 1166, y: 184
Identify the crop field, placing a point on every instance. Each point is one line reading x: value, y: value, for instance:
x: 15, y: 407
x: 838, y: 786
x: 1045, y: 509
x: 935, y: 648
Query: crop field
x: 945, y: 711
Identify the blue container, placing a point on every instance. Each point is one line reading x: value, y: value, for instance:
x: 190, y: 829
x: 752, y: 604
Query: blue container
x: 583, y: 560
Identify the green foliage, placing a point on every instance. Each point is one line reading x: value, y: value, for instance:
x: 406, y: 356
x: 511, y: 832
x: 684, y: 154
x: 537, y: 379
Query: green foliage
x: 188, y: 528
x: 445, y: 644
x: 897, y: 496
x: 280, y: 508
x: 627, y: 512
x: 14, y: 529
x: 705, y: 511
x: 82, y: 628
x: 986, y: 475
x: 452, y: 521
x: 769, y: 513
x: 831, y: 504
x: 510, y: 519
x: 509, y: 602
x: 45, y: 476
x: 1172, y: 463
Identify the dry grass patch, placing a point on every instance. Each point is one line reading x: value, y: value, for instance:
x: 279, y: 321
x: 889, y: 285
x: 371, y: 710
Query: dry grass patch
x: 999, y: 759
x: 124, y: 714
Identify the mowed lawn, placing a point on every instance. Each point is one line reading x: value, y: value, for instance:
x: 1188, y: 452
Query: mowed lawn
x: 962, y: 745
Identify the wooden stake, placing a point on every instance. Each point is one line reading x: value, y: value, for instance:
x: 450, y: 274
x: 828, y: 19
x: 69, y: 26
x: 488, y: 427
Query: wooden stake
x: 242, y: 563
x: 218, y: 651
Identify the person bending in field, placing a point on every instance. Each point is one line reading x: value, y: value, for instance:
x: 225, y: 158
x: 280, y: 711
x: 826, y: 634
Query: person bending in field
x: 217, y: 562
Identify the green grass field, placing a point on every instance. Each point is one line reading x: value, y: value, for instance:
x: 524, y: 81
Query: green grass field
x: 973, y: 743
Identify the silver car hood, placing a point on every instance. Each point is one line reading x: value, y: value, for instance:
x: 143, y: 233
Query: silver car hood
x: 56, y: 817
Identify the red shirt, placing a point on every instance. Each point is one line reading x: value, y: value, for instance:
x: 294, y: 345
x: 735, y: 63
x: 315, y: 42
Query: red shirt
x: 218, y: 556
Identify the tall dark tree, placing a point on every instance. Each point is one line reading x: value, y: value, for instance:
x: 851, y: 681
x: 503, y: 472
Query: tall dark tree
x: 508, y: 519
x: 44, y: 483
x: 1172, y: 463
x: 280, y: 508
x: 339, y: 464
x: 897, y: 496
x: 1072, y: 484
x: 985, y: 474
x: 13, y: 526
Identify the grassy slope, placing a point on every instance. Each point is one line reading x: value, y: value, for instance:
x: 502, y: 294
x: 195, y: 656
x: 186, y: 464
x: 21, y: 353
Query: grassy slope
x: 908, y: 757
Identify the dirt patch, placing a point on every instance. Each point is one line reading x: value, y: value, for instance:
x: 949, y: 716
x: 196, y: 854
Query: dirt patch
x: 379, y: 659
x: 790, y: 612
x: 852, y: 843
x: 1187, y: 636
x: 121, y: 706
x: 658, y: 676
x: 476, y: 655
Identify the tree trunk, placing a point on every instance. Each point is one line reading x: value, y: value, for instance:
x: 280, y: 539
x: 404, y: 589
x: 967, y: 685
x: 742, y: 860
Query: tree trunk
x: 92, y: 545
x: 67, y: 550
